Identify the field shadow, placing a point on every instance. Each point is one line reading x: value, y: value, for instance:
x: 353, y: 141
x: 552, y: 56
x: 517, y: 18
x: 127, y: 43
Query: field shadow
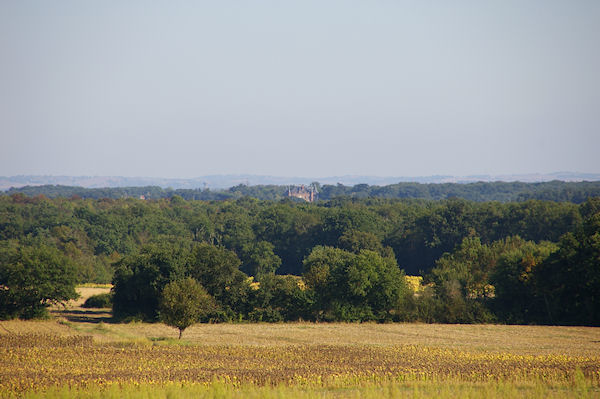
x: 93, y: 316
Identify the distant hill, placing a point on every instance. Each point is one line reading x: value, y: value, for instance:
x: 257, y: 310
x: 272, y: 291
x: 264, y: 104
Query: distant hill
x: 226, y: 181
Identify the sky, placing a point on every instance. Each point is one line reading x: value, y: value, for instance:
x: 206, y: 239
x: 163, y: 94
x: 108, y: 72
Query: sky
x: 299, y: 88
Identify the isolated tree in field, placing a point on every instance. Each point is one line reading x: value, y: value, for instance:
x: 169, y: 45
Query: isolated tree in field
x: 184, y: 303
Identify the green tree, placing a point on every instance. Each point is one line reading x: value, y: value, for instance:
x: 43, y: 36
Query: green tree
x: 389, y: 288
x: 517, y: 299
x: 282, y: 297
x: 353, y: 287
x: 201, y: 227
x: 462, y: 284
x: 569, y: 280
x: 321, y: 268
x: 234, y: 227
x: 349, y: 217
x: 217, y: 269
x: 184, y: 303
x: 33, y: 278
x: 356, y: 241
x: 139, y: 279
x: 260, y: 259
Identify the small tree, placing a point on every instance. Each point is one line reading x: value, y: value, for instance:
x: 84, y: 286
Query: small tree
x: 184, y: 303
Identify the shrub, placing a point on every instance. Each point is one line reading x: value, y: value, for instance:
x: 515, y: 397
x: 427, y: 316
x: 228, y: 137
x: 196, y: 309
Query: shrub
x: 268, y: 315
x: 99, y: 301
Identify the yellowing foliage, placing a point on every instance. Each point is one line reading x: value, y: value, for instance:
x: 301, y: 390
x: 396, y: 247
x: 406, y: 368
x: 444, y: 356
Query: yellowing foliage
x: 415, y: 283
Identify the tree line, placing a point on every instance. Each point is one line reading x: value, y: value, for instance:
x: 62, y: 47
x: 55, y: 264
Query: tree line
x: 559, y: 191
x: 343, y: 259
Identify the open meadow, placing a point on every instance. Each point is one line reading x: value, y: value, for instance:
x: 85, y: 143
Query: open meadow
x: 80, y: 352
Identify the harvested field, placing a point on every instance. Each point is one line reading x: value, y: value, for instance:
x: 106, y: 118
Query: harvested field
x: 32, y: 362
x: 86, y: 354
x: 524, y: 340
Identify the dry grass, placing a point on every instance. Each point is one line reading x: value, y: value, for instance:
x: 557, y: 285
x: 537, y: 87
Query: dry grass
x: 76, y: 349
x: 498, y: 338
x: 32, y: 362
x: 524, y: 340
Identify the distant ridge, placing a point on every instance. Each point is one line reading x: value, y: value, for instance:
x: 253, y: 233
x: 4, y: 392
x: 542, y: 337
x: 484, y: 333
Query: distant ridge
x: 227, y: 181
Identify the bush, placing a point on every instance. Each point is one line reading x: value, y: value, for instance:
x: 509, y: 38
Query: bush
x: 98, y: 301
x: 268, y: 315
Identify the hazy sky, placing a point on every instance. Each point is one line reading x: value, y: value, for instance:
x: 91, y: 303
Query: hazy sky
x: 310, y: 88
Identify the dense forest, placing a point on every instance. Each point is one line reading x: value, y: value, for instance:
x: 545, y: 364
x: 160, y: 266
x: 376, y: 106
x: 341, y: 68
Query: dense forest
x: 559, y: 191
x: 344, y: 259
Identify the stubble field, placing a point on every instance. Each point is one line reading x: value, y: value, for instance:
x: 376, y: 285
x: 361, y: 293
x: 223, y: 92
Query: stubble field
x: 81, y: 353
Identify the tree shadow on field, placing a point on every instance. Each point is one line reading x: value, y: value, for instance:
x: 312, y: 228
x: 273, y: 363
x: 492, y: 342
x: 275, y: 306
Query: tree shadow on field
x: 94, y: 316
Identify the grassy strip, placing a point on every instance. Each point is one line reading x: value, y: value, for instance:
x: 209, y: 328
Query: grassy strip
x: 578, y: 388
x: 94, y: 285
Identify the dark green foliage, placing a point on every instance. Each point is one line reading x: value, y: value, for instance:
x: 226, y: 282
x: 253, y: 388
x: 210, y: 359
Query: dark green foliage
x: 184, y: 303
x: 217, y: 269
x: 280, y: 298
x: 356, y: 241
x: 424, y: 307
x: 353, y: 287
x: 33, y: 278
x: 462, y: 246
x: 99, y: 301
x: 461, y: 283
x: 139, y: 279
x: 293, y: 229
x: 426, y: 233
x: 482, y: 283
x: 93, y: 234
x: 576, y: 192
x: 268, y: 315
x: 260, y: 260
x: 515, y: 278
x: 569, y: 281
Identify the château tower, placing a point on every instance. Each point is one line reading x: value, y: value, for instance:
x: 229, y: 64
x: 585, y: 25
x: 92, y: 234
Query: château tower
x: 308, y: 194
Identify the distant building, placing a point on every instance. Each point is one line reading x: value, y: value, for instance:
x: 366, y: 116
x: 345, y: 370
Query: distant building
x: 308, y: 194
